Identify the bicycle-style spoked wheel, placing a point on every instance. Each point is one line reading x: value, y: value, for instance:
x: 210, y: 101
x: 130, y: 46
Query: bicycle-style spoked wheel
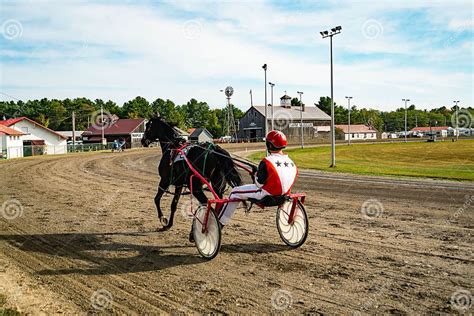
x: 209, y: 242
x: 293, y: 234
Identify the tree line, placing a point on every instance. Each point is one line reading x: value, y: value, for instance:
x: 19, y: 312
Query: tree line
x: 57, y: 114
x: 393, y: 121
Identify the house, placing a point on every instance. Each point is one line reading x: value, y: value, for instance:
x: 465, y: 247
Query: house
x: 11, y: 143
x: 201, y: 135
x: 181, y: 133
x: 68, y: 134
x: 38, y: 139
x: 286, y: 118
x: 440, y: 131
x: 357, y: 132
x: 131, y: 130
x: 386, y: 135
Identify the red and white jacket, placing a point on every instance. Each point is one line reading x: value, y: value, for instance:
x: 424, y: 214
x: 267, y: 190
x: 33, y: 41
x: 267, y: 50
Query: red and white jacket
x: 276, y: 174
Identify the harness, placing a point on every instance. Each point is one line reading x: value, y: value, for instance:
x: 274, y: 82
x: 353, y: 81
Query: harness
x: 208, y: 148
x: 207, y: 151
x: 175, y: 156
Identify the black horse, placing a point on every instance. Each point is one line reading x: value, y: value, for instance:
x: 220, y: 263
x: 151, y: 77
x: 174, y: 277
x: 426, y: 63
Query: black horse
x: 213, y: 162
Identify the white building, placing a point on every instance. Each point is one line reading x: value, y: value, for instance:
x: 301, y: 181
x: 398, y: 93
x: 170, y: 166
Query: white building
x: 11, y: 143
x: 440, y: 131
x: 200, y: 135
x: 181, y: 133
x: 68, y: 135
x: 38, y: 139
x: 357, y: 132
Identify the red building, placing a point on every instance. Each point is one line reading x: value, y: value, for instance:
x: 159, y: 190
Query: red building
x: 131, y: 130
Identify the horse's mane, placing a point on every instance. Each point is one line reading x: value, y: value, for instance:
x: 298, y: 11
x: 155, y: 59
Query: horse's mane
x: 168, y: 130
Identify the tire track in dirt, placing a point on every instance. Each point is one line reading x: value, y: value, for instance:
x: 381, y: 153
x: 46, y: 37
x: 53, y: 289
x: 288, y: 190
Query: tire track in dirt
x: 249, y: 268
x: 56, y: 178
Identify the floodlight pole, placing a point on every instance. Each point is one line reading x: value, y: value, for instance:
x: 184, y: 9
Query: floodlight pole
x: 406, y: 100
x: 301, y: 119
x: 102, y: 120
x: 349, y: 120
x: 272, y: 85
x: 266, y: 103
x: 457, y: 119
x: 334, y: 31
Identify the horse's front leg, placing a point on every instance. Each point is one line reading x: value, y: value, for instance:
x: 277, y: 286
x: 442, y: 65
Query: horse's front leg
x: 174, y: 205
x: 162, y: 187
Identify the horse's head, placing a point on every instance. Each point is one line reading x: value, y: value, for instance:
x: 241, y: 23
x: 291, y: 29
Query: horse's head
x: 157, y: 129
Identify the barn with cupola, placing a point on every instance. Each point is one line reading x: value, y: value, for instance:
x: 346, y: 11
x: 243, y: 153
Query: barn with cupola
x: 291, y: 120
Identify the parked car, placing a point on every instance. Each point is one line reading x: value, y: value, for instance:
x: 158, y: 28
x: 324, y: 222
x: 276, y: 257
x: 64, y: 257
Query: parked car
x: 226, y: 139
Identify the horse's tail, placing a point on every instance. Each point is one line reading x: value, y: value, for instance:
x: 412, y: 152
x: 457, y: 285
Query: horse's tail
x: 227, y: 166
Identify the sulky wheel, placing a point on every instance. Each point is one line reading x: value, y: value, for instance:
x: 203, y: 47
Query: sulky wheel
x: 294, y: 234
x: 209, y: 242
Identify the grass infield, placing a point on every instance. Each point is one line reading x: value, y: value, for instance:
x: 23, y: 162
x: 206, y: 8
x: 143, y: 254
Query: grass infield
x: 442, y: 159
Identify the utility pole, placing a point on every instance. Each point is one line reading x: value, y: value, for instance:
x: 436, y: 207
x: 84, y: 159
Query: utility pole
x: 272, y: 85
x: 334, y: 31
x: 74, y: 131
x: 349, y: 120
x: 406, y: 100
x: 457, y: 119
x: 266, y: 103
x: 301, y: 119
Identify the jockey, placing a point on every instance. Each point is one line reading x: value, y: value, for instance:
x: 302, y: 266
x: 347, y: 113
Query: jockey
x: 275, y: 176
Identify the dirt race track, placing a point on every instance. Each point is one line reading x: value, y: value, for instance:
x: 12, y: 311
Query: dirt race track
x: 87, y: 242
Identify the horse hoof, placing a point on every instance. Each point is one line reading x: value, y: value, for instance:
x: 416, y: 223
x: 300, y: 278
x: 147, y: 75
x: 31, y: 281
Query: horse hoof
x: 164, y: 221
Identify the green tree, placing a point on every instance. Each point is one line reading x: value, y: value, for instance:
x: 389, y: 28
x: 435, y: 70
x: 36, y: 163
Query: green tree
x: 195, y: 114
x: 137, y: 108
x: 324, y: 104
x: 295, y: 102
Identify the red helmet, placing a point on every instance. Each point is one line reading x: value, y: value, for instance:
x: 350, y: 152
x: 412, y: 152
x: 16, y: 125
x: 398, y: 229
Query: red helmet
x: 277, y: 139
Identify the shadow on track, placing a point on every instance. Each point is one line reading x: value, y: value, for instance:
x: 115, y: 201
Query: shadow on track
x: 101, y: 253
x: 254, y: 248
x: 110, y: 253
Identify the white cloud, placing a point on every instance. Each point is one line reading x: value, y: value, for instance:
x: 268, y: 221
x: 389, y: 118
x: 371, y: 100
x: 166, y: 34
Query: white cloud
x: 153, y: 57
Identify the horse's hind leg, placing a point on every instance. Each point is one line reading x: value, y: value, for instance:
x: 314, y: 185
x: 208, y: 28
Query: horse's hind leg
x: 174, y: 205
x: 200, y: 196
x: 162, y: 187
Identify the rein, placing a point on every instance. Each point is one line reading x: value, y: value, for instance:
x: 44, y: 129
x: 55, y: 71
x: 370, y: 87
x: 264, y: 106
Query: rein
x: 232, y: 156
x: 241, y: 162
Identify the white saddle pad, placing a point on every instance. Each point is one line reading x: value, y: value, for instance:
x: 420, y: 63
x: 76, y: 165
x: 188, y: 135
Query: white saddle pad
x: 180, y: 156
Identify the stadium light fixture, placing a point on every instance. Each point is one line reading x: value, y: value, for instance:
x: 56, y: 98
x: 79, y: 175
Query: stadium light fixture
x: 271, y: 97
x: 266, y: 103
x: 334, y: 31
x: 301, y: 118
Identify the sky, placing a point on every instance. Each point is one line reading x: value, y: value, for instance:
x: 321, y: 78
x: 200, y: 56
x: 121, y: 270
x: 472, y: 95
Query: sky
x: 117, y: 50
